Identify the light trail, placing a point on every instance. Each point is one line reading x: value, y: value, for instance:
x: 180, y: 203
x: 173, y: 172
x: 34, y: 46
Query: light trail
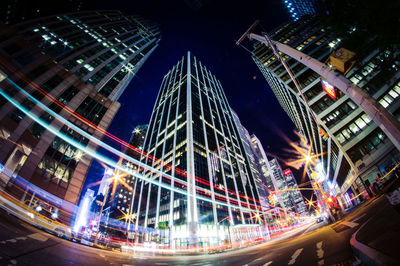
x: 387, y: 174
x: 356, y: 196
x: 116, y: 152
x: 101, y: 157
x: 136, y: 150
x: 120, y: 154
x: 292, y: 189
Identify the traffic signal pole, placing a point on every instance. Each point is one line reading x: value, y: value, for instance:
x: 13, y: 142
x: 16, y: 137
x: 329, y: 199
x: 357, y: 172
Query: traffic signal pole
x: 382, y: 117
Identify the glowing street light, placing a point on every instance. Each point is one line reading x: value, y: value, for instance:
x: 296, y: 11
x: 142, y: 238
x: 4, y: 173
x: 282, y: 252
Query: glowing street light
x: 256, y: 216
x: 54, y: 215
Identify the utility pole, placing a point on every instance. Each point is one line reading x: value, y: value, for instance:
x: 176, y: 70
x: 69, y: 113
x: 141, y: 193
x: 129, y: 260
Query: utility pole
x: 382, y: 117
x: 293, y: 53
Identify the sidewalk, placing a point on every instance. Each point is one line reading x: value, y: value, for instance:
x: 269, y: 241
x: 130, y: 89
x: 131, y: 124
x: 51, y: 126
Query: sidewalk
x: 377, y: 241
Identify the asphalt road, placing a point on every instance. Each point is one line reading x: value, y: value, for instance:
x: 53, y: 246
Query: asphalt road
x: 320, y: 244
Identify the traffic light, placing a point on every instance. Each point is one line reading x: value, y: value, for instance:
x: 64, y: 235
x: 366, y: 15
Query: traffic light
x: 323, y: 133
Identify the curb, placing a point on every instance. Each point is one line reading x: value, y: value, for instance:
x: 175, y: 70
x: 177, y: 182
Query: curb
x: 368, y: 255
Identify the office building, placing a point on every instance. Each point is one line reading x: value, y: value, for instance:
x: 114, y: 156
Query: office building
x: 299, y: 8
x: 255, y: 166
x: 353, y: 150
x: 295, y: 195
x: 16, y: 11
x: 122, y: 199
x: 82, y: 60
x: 282, y: 196
x: 210, y: 195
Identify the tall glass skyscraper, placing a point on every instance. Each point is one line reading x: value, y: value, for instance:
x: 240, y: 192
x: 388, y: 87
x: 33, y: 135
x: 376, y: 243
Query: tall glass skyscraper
x: 299, y: 8
x: 260, y: 177
x: 211, y: 196
x: 296, y: 198
x: 120, y: 204
x: 354, y: 151
x: 81, y: 60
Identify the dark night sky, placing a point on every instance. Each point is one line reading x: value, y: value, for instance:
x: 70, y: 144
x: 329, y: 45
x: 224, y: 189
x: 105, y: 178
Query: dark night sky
x: 210, y: 34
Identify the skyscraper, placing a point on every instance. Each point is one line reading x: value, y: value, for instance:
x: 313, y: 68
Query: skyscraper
x: 353, y: 149
x: 77, y: 65
x: 269, y: 180
x: 260, y: 176
x: 287, y: 192
x: 15, y: 11
x: 210, y: 195
x: 295, y: 195
x: 283, y: 197
x: 299, y: 8
x: 120, y: 204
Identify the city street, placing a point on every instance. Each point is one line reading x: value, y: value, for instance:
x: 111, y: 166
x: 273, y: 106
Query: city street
x: 200, y: 132
x: 319, y: 244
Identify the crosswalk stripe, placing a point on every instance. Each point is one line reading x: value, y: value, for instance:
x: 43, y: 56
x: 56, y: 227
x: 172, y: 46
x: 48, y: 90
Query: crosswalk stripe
x: 268, y: 263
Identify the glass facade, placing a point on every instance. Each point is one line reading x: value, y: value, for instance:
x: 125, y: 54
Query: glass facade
x: 295, y: 196
x: 299, y: 8
x: 77, y: 65
x: 212, y: 196
x: 355, y: 146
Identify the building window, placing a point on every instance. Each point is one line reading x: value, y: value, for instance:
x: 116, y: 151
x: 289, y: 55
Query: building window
x: 91, y: 110
x: 352, y: 129
x: 390, y: 96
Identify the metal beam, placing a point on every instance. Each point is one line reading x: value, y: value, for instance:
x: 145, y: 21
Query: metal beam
x: 382, y: 117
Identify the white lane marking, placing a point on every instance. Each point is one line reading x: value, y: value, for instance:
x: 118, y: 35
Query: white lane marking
x: 268, y: 263
x: 320, y: 251
x: 13, y: 262
x: 38, y: 236
x: 13, y: 240
x: 161, y: 263
x: 321, y: 262
x: 350, y: 224
x: 294, y: 256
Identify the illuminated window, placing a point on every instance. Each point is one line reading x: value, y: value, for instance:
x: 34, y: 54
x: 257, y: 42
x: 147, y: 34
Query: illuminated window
x: 360, y: 123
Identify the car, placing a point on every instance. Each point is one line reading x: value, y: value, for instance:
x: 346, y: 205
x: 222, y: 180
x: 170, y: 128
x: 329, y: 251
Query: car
x: 62, y: 233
